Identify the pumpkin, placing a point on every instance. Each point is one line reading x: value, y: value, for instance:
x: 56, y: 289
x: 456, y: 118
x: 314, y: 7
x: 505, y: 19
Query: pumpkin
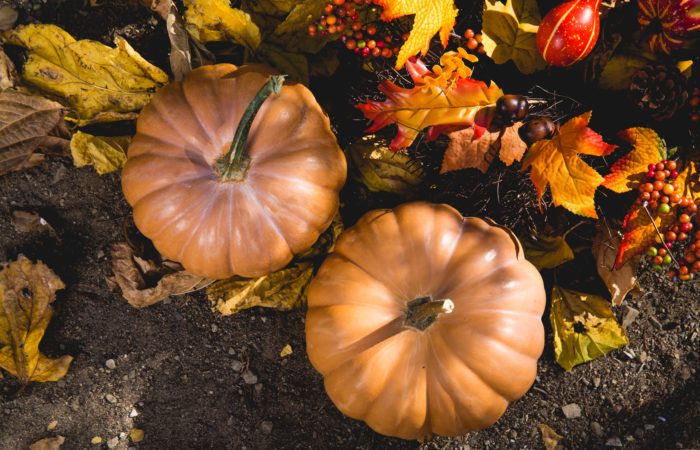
x: 232, y: 173
x: 423, y: 322
x: 568, y: 33
x: 669, y: 24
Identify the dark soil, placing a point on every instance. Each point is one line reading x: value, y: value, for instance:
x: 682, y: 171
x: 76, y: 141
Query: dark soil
x: 179, y: 365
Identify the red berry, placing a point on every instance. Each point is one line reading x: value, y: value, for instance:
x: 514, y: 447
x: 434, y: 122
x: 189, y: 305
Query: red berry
x: 660, y: 175
x: 660, y: 165
x: 339, y: 2
x: 472, y: 44
x: 650, y: 174
x: 652, y: 167
x: 658, y: 185
x: 684, y: 218
x: 351, y: 44
x: 658, y: 260
x: 371, y: 30
x: 469, y: 33
x: 671, y: 165
x: 686, y: 227
x: 682, y: 236
x: 670, y: 236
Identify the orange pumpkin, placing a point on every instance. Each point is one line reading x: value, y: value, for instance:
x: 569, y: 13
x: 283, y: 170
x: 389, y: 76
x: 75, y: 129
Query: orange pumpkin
x: 226, y: 205
x: 423, y: 322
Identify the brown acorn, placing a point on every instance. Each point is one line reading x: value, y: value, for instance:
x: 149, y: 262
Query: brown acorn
x: 511, y: 109
x: 536, y: 129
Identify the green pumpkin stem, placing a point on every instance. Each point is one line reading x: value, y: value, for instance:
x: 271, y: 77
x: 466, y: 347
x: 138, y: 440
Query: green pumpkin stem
x: 234, y: 165
x: 421, y: 312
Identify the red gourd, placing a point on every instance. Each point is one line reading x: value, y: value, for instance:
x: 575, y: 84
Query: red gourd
x: 569, y: 32
x: 670, y: 24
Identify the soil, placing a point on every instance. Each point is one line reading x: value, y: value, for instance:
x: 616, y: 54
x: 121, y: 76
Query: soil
x: 192, y: 379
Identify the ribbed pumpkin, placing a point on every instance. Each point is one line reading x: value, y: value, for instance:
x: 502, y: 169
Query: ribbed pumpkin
x: 424, y: 322
x: 224, y: 205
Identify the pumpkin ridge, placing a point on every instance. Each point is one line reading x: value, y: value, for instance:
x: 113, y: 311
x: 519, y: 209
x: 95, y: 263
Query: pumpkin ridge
x: 194, y: 231
x: 168, y: 186
x: 366, y: 271
x: 163, y: 112
x: 266, y: 213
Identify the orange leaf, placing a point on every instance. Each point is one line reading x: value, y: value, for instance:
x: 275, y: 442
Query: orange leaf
x: 556, y: 162
x: 630, y: 170
x: 639, y: 231
x: 431, y: 16
x: 441, y: 98
x: 467, y: 150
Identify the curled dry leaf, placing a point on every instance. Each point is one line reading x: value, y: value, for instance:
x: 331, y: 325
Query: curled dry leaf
x: 584, y: 327
x: 31, y: 222
x: 8, y: 17
x: 550, y: 438
x: 8, y: 74
x: 100, y: 84
x: 620, y: 281
x: 510, y: 33
x: 144, y: 282
x: 548, y: 252
x: 380, y: 169
x: 467, y: 149
x: 105, y: 153
x: 49, y: 443
x: 25, y: 121
x: 215, y: 20
x: 180, y: 51
x: 26, y: 293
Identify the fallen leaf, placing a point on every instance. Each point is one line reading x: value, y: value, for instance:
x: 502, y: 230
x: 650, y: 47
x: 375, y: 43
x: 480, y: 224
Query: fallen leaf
x: 295, y: 65
x: 180, y: 52
x: 96, y: 440
x: 215, y: 20
x: 380, y: 169
x: 286, y: 351
x: 550, y: 438
x: 131, y: 272
x: 136, y: 435
x: 466, y: 150
x: 105, y: 153
x: 548, y: 252
x: 30, y: 222
x: 630, y: 170
x: 8, y: 74
x: 100, y: 83
x: 49, y: 443
x: 509, y: 32
x: 25, y: 121
x: 431, y: 17
x: 444, y: 97
x: 640, y: 230
x: 26, y: 293
x: 8, y: 17
x: 275, y: 7
x: 584, y: 327
x: 555, y: 162
x: 303, y: 13
x: 620, y: 281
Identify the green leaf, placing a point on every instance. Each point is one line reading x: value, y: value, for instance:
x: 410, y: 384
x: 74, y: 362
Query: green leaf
x: 105, y: 153
x: 584, y: 327
x: 302, y: 15
x: 215, y: 20
x: 380, y: 169
x: 510, y: 33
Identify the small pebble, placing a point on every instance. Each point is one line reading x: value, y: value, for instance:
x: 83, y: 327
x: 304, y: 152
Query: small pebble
x: 596, y: 381
x: 112, y: 443
x: 214, y: 328
x: 237, y: 366
x: 133, y: 413
x: 52, y: 425
x: 597, y: 429
x: 122, y: 435
x: 639, y: 433
x: 111, y: 399
x: 648, y: 427
x: 231, y: 351
x: 571, y: 411
x: 249, y: 377
x: 266, y: 427
x: 613, y: 442
x: 110, y: 364
x: 643, y: 357
x: 630, y: 315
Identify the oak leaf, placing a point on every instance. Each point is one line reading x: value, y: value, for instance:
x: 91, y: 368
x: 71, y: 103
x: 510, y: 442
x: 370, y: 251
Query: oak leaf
x: 619, y: 280
x: 555, y: 162
x: 584, y: 327
x: 431, y: 16
x: 105, y: 153
x: 469, y: 150
x: 630, y: 170
x: 509, y: 32
x: 100, y: 83
x: 443, y: 97
x: 26, y: 293
x: 215, y: 20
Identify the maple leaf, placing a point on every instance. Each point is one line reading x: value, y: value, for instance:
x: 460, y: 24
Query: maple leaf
x: 640, y: 230
x: 555, y: 162
x: 443, y: 97
x: 630, y: 170
x: 26, y: 293
x: 469, y: 150
x: 431, y: 16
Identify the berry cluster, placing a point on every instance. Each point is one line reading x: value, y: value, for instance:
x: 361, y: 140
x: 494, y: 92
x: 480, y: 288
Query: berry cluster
x: 661, y: 193
x: 474, y: 41
x: 694, y: 103
x: 366, y: 39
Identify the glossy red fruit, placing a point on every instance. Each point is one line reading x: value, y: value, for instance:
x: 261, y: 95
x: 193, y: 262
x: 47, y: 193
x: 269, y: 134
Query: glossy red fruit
x: 569, y: 32
x: 670, y: 23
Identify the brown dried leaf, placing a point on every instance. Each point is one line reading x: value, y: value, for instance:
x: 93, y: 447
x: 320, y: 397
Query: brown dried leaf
x: 550, y: 438
x: 131, y: 272
x: 49, y: 443
x: 8, y: 74
x: 469, y: 150
x: 25, y: 121
x: 620, y: 281
x: 30, y: 222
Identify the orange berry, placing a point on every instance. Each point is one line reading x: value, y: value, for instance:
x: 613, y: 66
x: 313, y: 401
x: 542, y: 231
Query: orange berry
x: 469, y: 33
x: 472, y: 44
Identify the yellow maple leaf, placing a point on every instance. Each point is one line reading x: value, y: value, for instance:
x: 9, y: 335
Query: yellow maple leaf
x: 100, y: 83
x: 555, y: 162
x: 105, y: 153
x: 431, y: 16
x: 630, y: 170
x: 215, y: 20
x: 26, y: 293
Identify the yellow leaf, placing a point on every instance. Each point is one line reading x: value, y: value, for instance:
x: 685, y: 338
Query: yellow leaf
x: 215, y: 20
x: 548, y: 252
x: 619, y: 280
x: 26, y: 293
x: 550, y: 438
x: 584, y: 327
x: 509, y: 32
x: 106, y: 153
x: 431, y: 16
x: 630, y: 170
x: 136, y: 435
x: 286, y: 351
x: 555, y: 162
x: 101, y: 84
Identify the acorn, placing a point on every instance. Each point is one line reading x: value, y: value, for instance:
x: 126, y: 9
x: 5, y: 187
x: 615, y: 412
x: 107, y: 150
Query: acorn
x: 537, y: 129
x: 511, y: 109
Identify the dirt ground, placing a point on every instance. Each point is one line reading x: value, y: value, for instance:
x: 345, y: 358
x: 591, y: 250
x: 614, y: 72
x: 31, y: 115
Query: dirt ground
x: 192, y: 379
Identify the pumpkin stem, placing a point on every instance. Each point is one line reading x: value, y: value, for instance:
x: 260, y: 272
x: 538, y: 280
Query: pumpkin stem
x: 421, y: 312
x: 234, y: 165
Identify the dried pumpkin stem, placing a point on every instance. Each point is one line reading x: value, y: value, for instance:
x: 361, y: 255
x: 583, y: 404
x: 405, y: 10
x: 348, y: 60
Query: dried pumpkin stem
x: 421, y: 312
x: 234, y: 165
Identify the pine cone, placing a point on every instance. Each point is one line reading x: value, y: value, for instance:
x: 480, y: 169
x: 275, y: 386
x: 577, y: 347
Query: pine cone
x: 659, y: 90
